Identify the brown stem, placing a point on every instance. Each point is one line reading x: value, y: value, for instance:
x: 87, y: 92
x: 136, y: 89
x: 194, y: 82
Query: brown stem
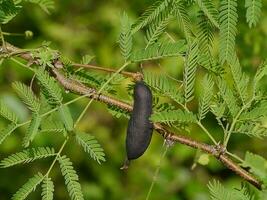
x: 77, y: 87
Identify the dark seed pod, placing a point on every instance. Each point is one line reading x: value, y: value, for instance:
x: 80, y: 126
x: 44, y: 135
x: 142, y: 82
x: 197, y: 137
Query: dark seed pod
x: 140, y: 128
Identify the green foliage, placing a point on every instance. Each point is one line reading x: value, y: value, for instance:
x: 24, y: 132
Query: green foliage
x: 4, y: 133
x: 253, y: 11
x: 256, y: 164
x: 7, y: 113
x: 154, y: 30
x: 117, y: 112
x: 206, y: 96
x: 174, y: 116
x: 209, y: 10
x: 226, y: 93
x: 183, y: 19
x: 47, y: 189
x: 46, y: 5
x: 125, y: 39
x: 151, y: 14
x: 28, y: 187
x: 158, y: 51
x: 190, y: 72
x: 204, y: 36
x: 8, y: 10
x: 66, y: 117
x: 164, y: 86
x: 50, y: 88
x: 71, y: 178
x: 32, y: 129
x: 27, y: 156
x: 228, y: 21
x: 240, y: 80
x: 27, y: 96
x: 91, y: 146
x: 218, y: 192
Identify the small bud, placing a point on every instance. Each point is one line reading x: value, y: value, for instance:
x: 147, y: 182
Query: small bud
x: 28, y: 34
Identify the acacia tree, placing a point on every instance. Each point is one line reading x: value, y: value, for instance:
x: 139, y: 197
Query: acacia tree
x: 236, y: 101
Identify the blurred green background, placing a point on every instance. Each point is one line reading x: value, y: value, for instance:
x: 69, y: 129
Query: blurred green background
x: 91, y: 27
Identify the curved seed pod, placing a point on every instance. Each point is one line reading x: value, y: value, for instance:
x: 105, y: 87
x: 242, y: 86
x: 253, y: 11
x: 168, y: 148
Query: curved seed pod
x: 140, y: 128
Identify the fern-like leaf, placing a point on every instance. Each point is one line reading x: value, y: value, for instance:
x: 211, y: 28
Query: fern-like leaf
x: 7, y: 113
x: 228, y: 29
x: 27, y: 96
x: 158, y: 51
x: 47, y: 189
x: 251, y: 129
x: 190, y: 72
x: 28, y: 187
x: 32, y: 129
x: 219, y: 192
x: 27, y: 156
x: 151, y: 14
x: 8, y: 10
x: 173, y: 116
x: 253, y: 11
x: 118, y: 112
x: 227, y: 95
x: 7, y: 131
x: 50, y: 88
x: 46, y: 5
x: 240, y: 80
x: 91, y: 146
x: 66, y: 117
x: 206, y: 96
x: 164, y: 86
x: 71, y: 178
x: 204, y: 35
x: 125, y: 39
x: 210, y: 11
x: 256, y: 163
x: 183, y: 19
x: 157, y: 28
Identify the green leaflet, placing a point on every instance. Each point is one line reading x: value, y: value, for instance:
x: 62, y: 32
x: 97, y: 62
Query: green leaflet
x: 206, y: 96
x: 257, y: 165
x: 158, y: 51
x: 32, y: 129
x: 91, y: 146
x: 164, y: 86
x: 125, y: 39
x: 71, y: 178
x: 181, y: 14
x: 219, y: 192
x: 253, y: 11
x: 27, y: 156
x: 173, y: 116
x: 210, y: 11
x: 7, y: 113
x: 154, y: 30
x: 152, y: 13
x: 4, y: 133
x: 190, y: 72
x: 27, y: 96
x: 50, y: 88
x: 8, y: 10
x: 47, y: 189
x: 228, y: 29
x: 28, y: 187
x: 66, y: 117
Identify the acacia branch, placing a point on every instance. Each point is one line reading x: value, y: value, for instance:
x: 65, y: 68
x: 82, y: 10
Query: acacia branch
x: 76, y: 87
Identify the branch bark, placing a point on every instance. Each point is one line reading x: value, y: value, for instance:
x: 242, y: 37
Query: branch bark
x: 76, y: 87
